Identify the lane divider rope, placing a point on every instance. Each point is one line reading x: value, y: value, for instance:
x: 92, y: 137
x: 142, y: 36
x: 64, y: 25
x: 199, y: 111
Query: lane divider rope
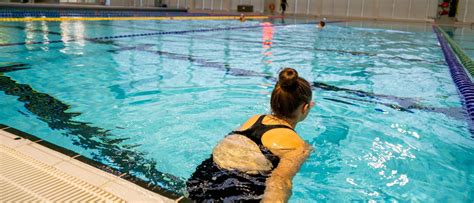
x: 156, y: 33
x: 463, y: 57
x: 128, y: 18
x: 460, y: 77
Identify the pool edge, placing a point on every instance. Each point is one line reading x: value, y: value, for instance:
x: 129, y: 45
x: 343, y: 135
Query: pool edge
x: 18, y: 135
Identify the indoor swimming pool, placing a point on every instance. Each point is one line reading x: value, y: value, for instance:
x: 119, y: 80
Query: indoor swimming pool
x: 152, y: 98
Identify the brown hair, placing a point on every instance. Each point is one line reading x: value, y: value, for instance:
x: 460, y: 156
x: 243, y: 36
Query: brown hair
x: 289, y: 93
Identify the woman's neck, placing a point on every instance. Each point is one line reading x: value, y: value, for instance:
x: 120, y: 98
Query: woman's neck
x: 289, y: 121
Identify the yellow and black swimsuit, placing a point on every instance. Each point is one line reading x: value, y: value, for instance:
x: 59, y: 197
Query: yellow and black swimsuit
x: 211, y: 183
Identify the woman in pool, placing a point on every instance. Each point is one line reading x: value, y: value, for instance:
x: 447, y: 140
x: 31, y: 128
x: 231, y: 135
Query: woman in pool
x: 258, y: 161
x: 321, y: 25
x: 242, y: 18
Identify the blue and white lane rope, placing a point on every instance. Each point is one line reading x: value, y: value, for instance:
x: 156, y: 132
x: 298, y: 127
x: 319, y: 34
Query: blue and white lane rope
x: 461, y: 79
x: 157, y: 33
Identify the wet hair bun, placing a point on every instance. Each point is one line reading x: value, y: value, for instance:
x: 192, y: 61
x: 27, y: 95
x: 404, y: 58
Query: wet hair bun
x: 288, y: 78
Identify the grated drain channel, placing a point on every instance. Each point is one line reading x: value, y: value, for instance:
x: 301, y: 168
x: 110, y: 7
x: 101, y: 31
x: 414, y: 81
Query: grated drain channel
x: 23, y: 178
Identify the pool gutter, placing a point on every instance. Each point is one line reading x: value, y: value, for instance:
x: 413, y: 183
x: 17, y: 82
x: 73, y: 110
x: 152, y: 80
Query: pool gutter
x: 70, y: 165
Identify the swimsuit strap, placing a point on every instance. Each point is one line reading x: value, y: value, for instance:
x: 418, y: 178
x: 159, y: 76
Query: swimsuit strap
x: 256, y: 131
x: 269, y: 127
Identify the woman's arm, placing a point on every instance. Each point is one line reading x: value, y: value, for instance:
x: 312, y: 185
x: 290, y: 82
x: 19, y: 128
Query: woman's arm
x: 278, y: 185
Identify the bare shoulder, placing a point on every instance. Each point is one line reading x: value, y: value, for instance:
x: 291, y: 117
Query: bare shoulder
x: 249, y: 122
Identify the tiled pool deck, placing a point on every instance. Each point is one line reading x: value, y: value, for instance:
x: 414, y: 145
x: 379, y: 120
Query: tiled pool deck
x: 30, y: 171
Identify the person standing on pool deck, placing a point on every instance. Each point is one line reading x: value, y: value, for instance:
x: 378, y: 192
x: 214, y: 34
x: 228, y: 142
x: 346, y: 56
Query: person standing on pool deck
x: 257, y: 162
x: 283, y: 6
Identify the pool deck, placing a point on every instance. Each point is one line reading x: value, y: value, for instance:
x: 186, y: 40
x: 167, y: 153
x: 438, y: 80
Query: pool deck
x: 32, y: 172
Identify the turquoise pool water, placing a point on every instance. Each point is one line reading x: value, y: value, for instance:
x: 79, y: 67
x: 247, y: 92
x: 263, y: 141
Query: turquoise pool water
x: 388, y: 124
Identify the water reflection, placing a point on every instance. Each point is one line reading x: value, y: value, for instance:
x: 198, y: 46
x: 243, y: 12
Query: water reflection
x: 72, y: 35
x: 30, y: 35
x: 267, y: 30
x: 379, y: 156
x: 45, y: 31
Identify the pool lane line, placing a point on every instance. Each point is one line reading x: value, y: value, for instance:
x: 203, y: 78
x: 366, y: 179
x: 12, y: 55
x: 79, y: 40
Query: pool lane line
x: 141, y: 27
x: 101, y: 23
x: 284, y: 46
x: 398, y: 100
x: 108, y: 41
x: 158, y: 33
x: 247, y: 41
x: 126, y: 159
x: 461, y: 79
x: 146, y: 29
x: 341, y: 101
x: 463, y: 57
x: 405, y: 104
x: 243, y: 72
x: 323, y: 86
x: 31, y: 29
x: 129, y: 18
x: 57, y: 34
x: 10, y: 67
x: 335, y: 50
x: 135, y: 35
x: 354, y: 53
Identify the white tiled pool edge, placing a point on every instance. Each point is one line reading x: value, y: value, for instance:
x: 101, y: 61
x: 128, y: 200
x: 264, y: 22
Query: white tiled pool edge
x: 117, y: 186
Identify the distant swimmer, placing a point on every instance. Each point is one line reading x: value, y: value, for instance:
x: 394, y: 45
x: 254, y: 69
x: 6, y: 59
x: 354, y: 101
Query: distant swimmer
x: 321, y: 25
x: 242, y: 18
